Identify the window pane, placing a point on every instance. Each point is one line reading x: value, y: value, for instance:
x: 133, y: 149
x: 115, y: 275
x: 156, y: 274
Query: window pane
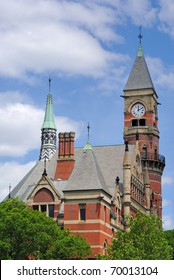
x: 36, y: 207
x: 51, y: 210
x: 43, y: 208
x: 134, y: 122
x: 142, y: 122
x: 82, y: 214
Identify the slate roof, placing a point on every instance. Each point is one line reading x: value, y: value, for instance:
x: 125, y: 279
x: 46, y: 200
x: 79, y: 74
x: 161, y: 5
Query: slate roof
x: 94, y: 169
x: 27, y: 184
x: 139, y: 77
x: 98, y: 168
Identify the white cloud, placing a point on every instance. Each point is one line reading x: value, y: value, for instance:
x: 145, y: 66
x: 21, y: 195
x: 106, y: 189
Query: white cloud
x: 141, y: 12
x: 168, y: 222
x: 21, y: 123
x: 167, y: 180
x: 163, y: 76
x: 58, y: 36
x: 166, y: 16
x: 15, y: 172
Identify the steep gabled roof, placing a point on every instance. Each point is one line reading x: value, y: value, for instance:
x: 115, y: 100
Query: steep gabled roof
x: 86, y: 174
x: 27, y: 184
x: 98, y: 167
x: 139, y: 77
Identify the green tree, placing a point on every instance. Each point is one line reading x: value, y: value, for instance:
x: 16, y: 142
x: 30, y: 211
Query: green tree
x: 169, y: 235
x: 69, y: 247
x: 144, y: 241
x: 25, y: 232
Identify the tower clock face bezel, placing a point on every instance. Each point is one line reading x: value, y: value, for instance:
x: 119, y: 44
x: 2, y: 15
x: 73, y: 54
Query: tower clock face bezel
x: 138, y: 110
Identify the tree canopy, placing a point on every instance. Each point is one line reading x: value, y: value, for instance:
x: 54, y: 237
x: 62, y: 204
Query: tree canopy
x: 169, y: 235
x: 25, y: 232
x: 144, y: 241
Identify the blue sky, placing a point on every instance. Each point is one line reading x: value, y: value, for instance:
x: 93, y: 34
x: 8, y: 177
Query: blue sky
x: 87, y: 48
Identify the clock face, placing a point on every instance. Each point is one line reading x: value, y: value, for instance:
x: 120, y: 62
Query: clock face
x: 138, y: 110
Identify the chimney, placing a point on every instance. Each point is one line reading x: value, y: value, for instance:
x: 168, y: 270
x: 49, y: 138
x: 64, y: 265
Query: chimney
x: 65, y: 162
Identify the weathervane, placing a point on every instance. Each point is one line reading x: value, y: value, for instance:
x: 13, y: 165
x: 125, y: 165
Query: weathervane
x: 50, y: 84
x: 140, y: 36
x: 88, y: 127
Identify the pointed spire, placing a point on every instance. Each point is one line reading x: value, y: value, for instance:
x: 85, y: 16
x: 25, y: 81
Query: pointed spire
x: 88, y: 144
x: 139, y: 77
x: 49, y: 115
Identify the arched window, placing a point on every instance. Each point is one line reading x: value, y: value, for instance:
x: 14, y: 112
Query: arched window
x: 44, y: 201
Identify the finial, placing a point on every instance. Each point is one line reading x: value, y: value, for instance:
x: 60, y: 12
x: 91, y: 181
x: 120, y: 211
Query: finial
x: 140, y: 36
x: 88, y: 144
x: 117, y: 180
x: 45, y: 167
x: 88, y: 127
x: 9, y: 195
x: 49, y: 84
x: 126, y: 146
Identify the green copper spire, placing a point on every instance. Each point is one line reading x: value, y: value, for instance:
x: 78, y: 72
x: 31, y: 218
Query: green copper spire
x: 140, y: 51
x: 49, y: 116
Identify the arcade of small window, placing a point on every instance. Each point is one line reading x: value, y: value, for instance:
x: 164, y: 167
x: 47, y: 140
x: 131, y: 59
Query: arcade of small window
x: 139, y: 122
x: 48, y: 209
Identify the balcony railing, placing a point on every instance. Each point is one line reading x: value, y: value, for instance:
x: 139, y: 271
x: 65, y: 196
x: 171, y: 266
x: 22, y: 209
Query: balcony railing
x: 153, y: 156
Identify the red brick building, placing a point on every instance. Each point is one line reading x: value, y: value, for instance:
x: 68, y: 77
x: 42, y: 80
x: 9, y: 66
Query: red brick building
x: 91, y: 190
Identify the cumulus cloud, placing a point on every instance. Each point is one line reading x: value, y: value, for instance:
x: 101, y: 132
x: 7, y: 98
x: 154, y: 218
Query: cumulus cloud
x: 166, y: 16
x: 163, y: 76
x: 21, y: 123
x: 15, y: 172
x: 61, y: 36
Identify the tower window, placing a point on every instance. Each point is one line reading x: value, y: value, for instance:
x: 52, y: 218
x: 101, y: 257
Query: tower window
x: 82, y: 208
x: 140, y: 122
x: 135, y: 122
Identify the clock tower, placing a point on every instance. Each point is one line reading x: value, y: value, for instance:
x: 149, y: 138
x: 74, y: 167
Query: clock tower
x: 141, y: 123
